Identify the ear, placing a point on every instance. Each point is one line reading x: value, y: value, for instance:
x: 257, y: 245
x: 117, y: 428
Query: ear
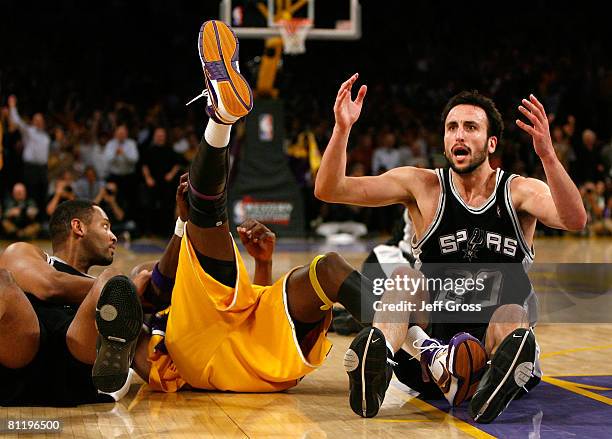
x: 77, y: 227
x: 492, y: 144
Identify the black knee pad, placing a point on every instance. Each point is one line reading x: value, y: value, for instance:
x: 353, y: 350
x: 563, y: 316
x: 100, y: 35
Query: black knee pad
x: 206, y: 211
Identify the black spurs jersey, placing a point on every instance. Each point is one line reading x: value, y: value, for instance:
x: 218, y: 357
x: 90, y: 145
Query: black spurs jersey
x: 478, y: 254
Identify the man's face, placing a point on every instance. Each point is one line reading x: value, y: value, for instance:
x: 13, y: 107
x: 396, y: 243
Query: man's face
x: 159, y: 136
x: 121, y: 133
x: 19, y: 192
x: 38, y: 120
x: 99, y: 240
x: 465, y: 138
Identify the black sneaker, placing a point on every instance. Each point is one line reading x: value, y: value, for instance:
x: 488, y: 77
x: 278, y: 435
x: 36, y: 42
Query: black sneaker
x: 369, y: 371
x: 119, y: 319
x: 510, y: 369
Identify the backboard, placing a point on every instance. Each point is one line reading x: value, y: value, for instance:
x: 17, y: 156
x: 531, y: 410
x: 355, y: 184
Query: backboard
x: 261, y: 19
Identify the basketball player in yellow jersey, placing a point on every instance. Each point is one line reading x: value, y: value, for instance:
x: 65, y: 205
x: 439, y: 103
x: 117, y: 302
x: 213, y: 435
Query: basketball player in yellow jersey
x: 223, y: 332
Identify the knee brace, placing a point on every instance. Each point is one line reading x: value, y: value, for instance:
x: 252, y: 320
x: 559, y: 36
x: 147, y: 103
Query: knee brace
x: 207, y: 186
x: 207, y: 211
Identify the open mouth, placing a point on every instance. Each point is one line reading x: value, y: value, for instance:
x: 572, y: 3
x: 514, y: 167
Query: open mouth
x: 460, y: 151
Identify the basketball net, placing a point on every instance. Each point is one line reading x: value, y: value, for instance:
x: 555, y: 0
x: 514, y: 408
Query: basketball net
x: 293, y: 32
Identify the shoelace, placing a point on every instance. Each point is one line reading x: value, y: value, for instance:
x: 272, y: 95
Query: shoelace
x: 432, y: 347
x: 203, y: 94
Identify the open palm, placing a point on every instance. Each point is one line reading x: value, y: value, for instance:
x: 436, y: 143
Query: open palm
x: 346, y: 110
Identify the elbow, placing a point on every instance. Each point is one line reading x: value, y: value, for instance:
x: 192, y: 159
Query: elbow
x: 319, y: 193
x: 577, y: 223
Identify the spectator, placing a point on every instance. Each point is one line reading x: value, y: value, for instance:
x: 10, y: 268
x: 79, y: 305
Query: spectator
x: 563, y: 148
x: 121, y: 156
x: 362, y: 153
x: 594, y: 203
x: 181, y: 144
x: 109, y: 201
x: 91, y: 149
x: 589, y: 163
x: 64, y: 191
x: 35, y: 152
x: 61, y: 155
x: 386, y: 156
x: 160, y: 169
x: 20, y: 212
x: 89, y: 185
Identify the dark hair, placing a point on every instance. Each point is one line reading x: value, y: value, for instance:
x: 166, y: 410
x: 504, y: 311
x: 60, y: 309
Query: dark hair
x: 59, y: 224
x: 494, y: 119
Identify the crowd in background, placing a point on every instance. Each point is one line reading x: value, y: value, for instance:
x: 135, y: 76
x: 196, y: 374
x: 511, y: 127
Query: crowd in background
x: 104, y: 119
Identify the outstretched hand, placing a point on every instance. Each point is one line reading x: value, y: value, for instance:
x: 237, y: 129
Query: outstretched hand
x: 539, y: 131
x: 258, y: 240
x: 346, y: 110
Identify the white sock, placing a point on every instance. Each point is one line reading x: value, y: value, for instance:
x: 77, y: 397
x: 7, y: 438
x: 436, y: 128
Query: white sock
x: 415, y: 333
x: 216, y: 134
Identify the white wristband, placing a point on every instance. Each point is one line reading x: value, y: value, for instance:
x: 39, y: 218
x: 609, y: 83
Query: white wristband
x: 179, y: 228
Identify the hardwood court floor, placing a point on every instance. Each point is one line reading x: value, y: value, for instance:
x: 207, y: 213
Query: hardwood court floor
x: 318, y: 406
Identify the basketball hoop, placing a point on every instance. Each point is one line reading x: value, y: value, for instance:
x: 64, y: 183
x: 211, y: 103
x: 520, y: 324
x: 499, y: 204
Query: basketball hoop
x: 293, y: 32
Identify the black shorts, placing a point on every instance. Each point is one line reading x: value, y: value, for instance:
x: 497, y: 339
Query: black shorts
x: 408, y: 369
x: 54, y: 377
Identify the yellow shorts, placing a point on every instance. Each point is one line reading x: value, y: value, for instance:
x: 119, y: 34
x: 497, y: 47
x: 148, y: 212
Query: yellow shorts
x: 238, y: 339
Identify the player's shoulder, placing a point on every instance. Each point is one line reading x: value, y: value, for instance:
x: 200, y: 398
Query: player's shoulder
x: 527, y: 185
x: 523, y: 189
x: 413, y: 173
x: 22, y: 249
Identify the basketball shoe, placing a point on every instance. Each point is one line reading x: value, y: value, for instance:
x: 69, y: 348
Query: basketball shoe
x: 119, y: 320
x: 228, y: 93
x: 509, y: 372
x: 370, y: 370
x: 456, y: 368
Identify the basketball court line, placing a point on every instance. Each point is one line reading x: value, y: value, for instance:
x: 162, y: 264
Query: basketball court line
x: 572, y: 350
x: 400, y: 390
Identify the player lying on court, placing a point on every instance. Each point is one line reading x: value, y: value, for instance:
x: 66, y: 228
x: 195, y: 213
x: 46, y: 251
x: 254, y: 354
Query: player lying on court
x: 222, y: 332
x: 466, y: 214
x: 48, y: 321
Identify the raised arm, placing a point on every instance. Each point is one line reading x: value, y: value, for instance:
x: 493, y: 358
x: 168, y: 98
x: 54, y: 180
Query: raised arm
x: 33, y: 274
x: 14, y: 114
x: 556, y: 204
x: 332, y: 185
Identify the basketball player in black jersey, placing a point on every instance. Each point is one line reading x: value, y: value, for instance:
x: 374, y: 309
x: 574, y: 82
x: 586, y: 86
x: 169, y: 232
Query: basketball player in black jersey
x: 466, y: 214
x: 48, y: 319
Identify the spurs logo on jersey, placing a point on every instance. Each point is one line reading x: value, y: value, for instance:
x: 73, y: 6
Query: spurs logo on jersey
x: 478, y: 239
x: 461, y: 233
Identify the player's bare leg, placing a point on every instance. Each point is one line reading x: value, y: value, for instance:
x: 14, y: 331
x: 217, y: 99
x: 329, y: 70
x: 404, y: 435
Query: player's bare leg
x: 19, y: 330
